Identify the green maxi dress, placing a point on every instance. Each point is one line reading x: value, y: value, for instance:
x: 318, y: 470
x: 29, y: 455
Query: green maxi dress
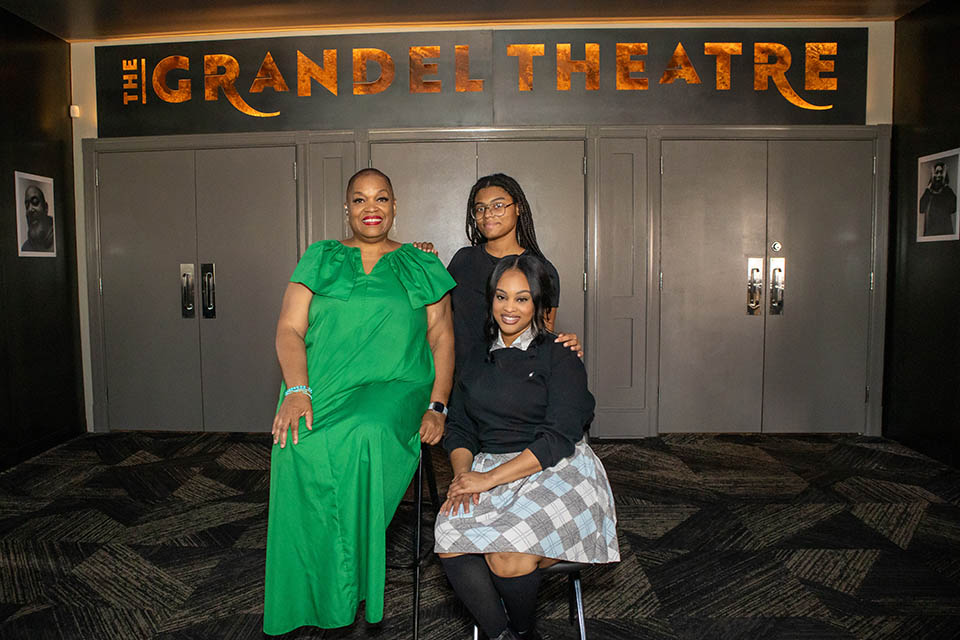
x: 333, y: 494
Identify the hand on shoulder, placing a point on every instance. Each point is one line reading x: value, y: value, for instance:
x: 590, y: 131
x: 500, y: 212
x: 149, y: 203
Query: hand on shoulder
x: 426, y: 247
x: 571, y: 342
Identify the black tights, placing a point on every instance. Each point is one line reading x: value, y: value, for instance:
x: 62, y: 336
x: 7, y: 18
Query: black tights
x: 482, y: 591
x: 519, y: 596
x: 472, y: 581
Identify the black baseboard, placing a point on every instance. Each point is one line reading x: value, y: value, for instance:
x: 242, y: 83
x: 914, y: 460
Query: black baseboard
x: 939, y: 449
x: 12, y: 456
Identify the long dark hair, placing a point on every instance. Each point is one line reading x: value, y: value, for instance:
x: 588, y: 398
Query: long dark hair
x: 541, y: 292
x: 526, y: 235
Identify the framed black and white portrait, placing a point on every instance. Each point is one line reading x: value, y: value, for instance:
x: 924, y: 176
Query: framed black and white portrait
x: 937, y: 196
x: 36, y: 237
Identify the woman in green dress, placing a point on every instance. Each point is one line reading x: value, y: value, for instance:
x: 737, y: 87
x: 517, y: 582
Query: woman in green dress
x: 364, y: 327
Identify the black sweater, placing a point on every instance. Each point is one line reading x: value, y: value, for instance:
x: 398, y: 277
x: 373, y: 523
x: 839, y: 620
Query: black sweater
x: 510, y: 400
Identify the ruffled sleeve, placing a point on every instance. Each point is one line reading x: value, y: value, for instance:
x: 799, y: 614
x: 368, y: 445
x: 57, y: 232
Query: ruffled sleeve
x: 327, y: 269
x: 422, y: 275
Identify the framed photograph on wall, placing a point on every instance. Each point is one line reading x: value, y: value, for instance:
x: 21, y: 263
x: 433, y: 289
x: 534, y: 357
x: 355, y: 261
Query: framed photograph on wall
x: 36, y: 237
x: 937, y: 197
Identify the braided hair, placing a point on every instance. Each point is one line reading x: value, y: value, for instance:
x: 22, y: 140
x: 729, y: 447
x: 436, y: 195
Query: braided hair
x: 526, y: 235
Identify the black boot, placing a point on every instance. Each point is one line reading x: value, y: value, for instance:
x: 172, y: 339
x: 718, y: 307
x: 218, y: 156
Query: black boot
x: 528, y: 635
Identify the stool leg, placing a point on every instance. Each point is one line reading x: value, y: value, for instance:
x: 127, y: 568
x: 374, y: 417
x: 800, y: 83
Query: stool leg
x: 418, y: 487
x: 571, y: 600
x: 431, y: 478
x: 583, y: 623
x: 476, y: 632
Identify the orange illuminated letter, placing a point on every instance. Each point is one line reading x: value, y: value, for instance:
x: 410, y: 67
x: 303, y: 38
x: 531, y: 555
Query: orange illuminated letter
x: 626, y: 66
x: 816, y: 65
x: 213, y: 82
x: 680, y: 67
x: 764, y: 70
x: 269, y: 76
x: 464, y: 82
x: 524, y: 54
x: 308, y: 70
x: 723, y: 51
x: 419, y: 68
x: 184, y: 91
x: 362, y: 86
x: 590, y: 66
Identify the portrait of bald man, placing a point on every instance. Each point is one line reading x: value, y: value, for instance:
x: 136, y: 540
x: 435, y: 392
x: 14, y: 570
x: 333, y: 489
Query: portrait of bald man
x: 36, y: 224
x: 938, y: 203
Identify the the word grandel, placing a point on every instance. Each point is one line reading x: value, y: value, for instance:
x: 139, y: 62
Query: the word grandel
x: 771, y: 61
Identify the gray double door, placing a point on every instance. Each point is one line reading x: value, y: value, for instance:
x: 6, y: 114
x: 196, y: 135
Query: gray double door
x: 196, y: 247
x: 432, y: 181
x: 766, y: 258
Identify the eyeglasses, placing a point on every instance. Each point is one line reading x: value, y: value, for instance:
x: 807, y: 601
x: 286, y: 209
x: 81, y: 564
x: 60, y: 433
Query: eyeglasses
x: 495, y: 210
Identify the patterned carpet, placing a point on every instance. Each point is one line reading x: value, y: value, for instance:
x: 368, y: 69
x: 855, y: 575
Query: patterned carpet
x: 143, y: 535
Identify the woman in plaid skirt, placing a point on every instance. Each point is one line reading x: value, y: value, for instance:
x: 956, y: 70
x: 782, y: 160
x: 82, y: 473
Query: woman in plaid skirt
x: 527, y: 490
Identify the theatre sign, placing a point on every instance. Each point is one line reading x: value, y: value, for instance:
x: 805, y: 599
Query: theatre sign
x: 480, y: 78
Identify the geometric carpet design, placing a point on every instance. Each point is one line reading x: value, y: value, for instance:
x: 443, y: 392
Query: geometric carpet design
x: 138, y: 535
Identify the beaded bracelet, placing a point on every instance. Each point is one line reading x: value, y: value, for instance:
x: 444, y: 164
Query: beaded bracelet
x: 300, y: 388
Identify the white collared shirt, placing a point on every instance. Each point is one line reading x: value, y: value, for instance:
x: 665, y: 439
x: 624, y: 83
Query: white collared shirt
x: 521, y: 342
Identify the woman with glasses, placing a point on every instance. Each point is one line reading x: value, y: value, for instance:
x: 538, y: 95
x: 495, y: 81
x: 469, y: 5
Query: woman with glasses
x: 499, y: 223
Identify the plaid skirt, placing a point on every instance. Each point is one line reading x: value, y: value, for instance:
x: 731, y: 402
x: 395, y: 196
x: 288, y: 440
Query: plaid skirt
x: 565, y: 512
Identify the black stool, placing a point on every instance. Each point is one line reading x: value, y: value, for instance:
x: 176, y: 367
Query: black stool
x: 419, y: 555
x: 572, y: 571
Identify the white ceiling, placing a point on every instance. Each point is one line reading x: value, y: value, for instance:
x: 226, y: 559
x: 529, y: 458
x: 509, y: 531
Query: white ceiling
x: 77, y: 20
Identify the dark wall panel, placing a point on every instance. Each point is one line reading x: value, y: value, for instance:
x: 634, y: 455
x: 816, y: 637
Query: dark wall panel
x: 41, y: 401
x: 922, y: 386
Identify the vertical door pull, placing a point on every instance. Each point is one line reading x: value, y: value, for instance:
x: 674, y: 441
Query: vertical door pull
x: 208, y: 289
x: 754, y: 286
x: 777, y: 283
x: 187, y: 309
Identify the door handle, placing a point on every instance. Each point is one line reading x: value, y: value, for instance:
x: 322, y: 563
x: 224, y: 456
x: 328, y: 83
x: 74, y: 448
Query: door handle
x: 187, y: 309
x: 208, y: 289
x: 778, y: 268
x: 754, y: 286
